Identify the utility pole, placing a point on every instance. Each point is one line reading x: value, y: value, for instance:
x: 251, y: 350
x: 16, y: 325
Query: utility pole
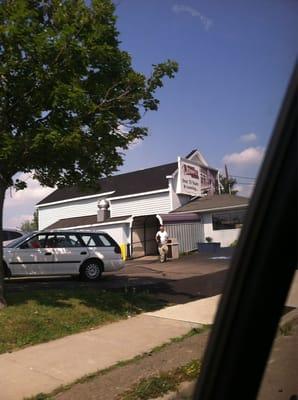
x: 218, y: 183
x: 227, y: 178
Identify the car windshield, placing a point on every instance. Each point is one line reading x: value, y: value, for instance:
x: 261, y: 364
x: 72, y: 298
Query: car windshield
x: 138, y: 130
x: 19, y: 240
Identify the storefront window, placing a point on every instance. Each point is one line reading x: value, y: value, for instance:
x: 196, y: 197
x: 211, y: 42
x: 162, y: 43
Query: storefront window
x: 228, y: 220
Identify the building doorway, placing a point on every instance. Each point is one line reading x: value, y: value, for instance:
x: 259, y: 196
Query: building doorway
x: 143, y: 233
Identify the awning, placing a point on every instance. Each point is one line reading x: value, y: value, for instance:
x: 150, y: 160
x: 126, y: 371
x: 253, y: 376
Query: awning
x: 179, y: 218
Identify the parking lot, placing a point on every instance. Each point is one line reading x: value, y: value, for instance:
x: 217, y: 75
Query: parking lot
x: 190, y: 277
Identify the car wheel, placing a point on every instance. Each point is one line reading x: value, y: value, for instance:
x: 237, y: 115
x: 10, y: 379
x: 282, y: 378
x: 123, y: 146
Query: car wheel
x: 91, y: 270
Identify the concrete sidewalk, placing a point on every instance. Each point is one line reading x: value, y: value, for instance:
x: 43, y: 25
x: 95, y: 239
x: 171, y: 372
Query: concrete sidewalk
x: 44, y: 367
x: 199, y: 311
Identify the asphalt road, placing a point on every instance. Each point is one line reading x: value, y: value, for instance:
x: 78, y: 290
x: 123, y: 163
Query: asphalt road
x: 188, y: 278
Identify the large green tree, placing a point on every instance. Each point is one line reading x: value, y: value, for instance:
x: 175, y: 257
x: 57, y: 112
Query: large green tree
x: 66, y: 89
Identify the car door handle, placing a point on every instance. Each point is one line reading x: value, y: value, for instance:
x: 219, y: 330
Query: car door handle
x: 83, y: 253
x: 48, y: 253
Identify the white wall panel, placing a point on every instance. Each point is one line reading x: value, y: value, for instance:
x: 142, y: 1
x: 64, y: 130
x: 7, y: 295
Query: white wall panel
x: 49, y: 214
x: 224, y: 236
x: 158, y: 203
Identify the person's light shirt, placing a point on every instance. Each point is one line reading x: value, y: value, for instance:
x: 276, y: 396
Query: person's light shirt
x: 163, y: 237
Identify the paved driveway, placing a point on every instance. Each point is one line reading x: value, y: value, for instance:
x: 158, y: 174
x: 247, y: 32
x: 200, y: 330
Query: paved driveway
x: 177, y: 281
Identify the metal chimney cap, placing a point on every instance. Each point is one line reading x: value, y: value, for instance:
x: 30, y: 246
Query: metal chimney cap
x: 103, y: 204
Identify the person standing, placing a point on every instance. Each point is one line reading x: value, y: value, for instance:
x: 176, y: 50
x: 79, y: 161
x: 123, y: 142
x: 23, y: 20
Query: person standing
x: 162, y: 240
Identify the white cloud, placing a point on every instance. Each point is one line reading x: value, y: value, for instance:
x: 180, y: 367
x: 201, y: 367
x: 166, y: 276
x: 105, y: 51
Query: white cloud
x: 18, y: 220
x: 122, y: 129
x: 248, y: 137
x: 135, y: 143
x: 245, y: 190
x: 249, y: 156
x: 180, y: 8
x: 19, y: 206
x: 32, y: 194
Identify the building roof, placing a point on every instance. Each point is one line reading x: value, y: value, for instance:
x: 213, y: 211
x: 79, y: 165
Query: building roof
x: 144, y: 180
x: 82, y: 221
x: 173, y: 218
x: 191, y: 153
x: 215, y: 202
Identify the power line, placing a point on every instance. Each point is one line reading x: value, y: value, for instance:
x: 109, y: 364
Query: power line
x: 242, y: 177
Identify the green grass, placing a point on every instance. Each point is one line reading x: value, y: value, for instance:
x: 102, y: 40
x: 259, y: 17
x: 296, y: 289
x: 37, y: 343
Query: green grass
x: 163, y: 383
x: 43, y: 315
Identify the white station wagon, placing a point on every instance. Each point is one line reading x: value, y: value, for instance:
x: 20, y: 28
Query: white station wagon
x: 83, y: 253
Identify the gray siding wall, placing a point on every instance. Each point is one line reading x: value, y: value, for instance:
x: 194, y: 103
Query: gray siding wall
x: 187, y: 234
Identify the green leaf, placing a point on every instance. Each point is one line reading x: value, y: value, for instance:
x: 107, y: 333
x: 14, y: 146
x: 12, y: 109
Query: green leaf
x: 65, y: 88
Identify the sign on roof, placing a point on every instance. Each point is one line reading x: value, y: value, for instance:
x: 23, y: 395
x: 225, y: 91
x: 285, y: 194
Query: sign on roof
x: 189, y: 181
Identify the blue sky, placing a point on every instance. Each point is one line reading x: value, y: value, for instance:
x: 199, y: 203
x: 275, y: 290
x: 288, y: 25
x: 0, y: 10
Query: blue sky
x: 235, y: 60
x: 233, y: 72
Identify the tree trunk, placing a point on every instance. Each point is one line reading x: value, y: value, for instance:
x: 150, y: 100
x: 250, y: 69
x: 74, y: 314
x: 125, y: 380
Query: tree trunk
x: 2, y: 298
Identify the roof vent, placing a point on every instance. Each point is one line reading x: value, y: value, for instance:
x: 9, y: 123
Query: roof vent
x: 103, y: 204
x: 103, y: 211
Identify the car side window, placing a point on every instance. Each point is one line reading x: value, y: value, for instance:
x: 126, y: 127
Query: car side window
x: 61, y: 240
x: 74, y: 241
x: 51, y: 241
x: 104, y: 240
x: 36, y: 242
x: 88, y: 240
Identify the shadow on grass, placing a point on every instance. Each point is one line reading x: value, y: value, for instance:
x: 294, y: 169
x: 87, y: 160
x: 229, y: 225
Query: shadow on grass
x: 43, y: 309
x: 115, y: 302
x: 39, y: 316
x: 56, y: 292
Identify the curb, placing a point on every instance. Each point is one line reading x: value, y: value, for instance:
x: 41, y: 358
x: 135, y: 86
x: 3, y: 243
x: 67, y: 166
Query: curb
x: 186, y: 389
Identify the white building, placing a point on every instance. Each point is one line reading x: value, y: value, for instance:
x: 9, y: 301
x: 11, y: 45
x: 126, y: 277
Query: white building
x: 221, y: 216
x: 131, y: 206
